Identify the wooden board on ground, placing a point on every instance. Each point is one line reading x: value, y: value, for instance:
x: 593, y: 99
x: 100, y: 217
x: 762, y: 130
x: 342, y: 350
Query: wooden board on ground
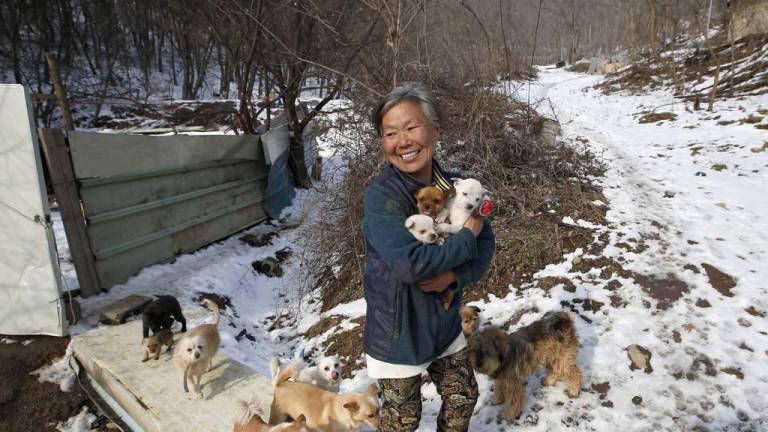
x: 117, y: 312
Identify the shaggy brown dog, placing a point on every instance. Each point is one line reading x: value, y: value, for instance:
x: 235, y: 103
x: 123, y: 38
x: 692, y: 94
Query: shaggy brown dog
x: 469, y: 319
x: 153, y: 345
x: 550, y: 342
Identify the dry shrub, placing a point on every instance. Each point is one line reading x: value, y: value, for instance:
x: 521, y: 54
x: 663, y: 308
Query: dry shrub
x: 743, y: 68
x: 527, y: 175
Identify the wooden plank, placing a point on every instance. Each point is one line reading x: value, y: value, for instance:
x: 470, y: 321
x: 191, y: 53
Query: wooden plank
x: 61, y: 91
x: 108, y: 155
x: 116, y: 312
x: 64, y: 187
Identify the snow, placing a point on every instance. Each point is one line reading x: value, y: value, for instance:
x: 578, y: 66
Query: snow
x: 80, y: 423
x: 61, y: 371
x: 661, y: 191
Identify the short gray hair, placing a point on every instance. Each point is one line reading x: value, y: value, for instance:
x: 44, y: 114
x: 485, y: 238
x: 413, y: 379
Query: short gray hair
x: 407, y: 92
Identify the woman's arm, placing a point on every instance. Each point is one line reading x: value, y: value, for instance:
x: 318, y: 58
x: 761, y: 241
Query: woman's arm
x: 474, y: 269
x: 412, y: 262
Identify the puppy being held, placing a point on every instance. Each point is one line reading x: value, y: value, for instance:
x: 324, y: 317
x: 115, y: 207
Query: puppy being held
x: 325, y: 411
x: 422, y: 228
x: 432, y: 201
x: 470, y: 320
x: 159, y: 315
x: 195, y: 351
x: 248, y: 419
x: 510, y: 359
x: 469, y: 194
x: 153, y: 345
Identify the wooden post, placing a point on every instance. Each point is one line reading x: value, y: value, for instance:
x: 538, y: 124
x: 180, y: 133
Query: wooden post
x: 61, y: 92
x: 65, y: 188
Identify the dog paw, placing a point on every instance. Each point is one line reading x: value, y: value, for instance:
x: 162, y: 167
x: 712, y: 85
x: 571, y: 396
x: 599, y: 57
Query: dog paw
x: 548, y: 381
x: 198, y: 395
x: 573, y: 393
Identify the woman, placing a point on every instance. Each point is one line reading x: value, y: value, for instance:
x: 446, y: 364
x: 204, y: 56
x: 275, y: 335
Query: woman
x: 407, y: 329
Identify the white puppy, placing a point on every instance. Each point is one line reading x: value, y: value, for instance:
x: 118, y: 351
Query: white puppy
x: 195, y: 351
x: 324, y: 374
x: 469, y: 194
x: 423, y: 228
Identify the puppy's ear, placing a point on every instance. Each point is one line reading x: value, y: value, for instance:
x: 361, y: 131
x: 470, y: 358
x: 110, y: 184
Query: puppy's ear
x: 409, y: 223
x: 475, y: 309
x: 448, y: 194
x: 353, y: 407
x: 455, y: 181
x: 373, y: 389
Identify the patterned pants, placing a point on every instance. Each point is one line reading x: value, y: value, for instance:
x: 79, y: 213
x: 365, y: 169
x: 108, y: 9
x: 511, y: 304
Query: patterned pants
x: 455, y: 382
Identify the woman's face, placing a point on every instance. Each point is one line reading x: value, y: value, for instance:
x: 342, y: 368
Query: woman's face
x: 409, y: 140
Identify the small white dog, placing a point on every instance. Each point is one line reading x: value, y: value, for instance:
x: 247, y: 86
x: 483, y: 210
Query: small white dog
x: 324, y: 374
x: 195, y: 351
x: 422, y: 227
x: 469, y: 194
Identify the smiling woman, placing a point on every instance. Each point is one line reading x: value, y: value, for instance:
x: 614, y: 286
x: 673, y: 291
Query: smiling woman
x: 408, y: 331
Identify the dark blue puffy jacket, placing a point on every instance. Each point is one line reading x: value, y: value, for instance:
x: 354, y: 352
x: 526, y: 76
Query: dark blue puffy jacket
x: 405, y: 325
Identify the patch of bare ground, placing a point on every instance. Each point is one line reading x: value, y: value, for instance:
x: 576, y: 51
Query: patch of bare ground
x: 517, y: 316
x: 733, y: 371
x: 549, y: 282
x: 28, y: 405
x: 665, y: 290
x: 755, y: 312
x: 721, y: 281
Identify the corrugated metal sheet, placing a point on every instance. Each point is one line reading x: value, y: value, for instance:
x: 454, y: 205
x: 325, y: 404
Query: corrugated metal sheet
x: 148, y: 199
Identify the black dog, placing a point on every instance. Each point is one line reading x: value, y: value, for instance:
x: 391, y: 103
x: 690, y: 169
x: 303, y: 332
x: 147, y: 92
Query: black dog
x: 159, y: 315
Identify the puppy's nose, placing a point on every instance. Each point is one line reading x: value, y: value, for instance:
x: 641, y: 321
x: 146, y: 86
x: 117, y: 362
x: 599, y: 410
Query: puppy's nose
x: 432, y: 237
x: 197, y: 355
x: 335, y: 375
x: 470, y: 206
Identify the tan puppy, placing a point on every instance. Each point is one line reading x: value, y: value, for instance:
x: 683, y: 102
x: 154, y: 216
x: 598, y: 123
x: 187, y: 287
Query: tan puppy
x: 153, y: 345
x: 195, y: 351
x: 431, y: 201
x: 469, y: 319
x: 248, y: 419
x: 325, y: 411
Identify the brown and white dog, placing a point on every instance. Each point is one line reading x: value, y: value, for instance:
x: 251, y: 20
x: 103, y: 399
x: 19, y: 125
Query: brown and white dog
x: 153, y: 345
x: 325, y: 411
x: 432, y: 201
x: 470, y: 320
x: 195, y: 351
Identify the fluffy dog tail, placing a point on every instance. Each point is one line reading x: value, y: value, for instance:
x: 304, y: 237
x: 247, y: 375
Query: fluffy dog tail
x: 210, y: 304
x: 285, y: 375
x: 246, y: 410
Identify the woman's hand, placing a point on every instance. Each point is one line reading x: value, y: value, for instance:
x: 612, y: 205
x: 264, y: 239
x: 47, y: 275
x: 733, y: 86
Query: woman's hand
x: 474, y: 224
x: 438, y: 283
